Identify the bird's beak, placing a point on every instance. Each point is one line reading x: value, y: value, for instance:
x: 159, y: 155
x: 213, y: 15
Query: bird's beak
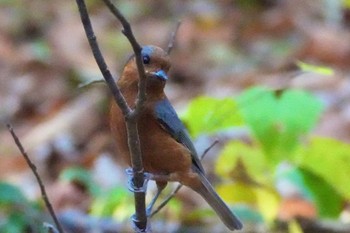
x: 161, y: 75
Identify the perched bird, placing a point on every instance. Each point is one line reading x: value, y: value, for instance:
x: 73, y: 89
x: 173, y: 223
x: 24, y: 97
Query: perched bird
x: 166, y: 147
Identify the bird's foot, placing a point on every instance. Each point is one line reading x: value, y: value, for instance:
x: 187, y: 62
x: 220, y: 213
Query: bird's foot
x: 136, y: 225
x: 131, y: 181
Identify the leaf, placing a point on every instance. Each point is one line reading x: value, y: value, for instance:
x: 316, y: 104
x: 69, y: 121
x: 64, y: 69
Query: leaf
x: 317, y: 190
x: 294, y: 227
x: 82, y: 176
x: 252, y: 158
x: 266, y: 201
x: 329, y: 159
x: 115, y: 200
x: 278, y: 121
x: 237, y: 193
x: 210, y: 115
x: 16, y: 222
x: 324, y: 70
x: 10, y: 194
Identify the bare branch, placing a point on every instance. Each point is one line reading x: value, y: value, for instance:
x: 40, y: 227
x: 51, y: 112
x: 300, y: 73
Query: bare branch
x: 179, y: 186
x: 131, y: 116
x: 100, y: 60
x: 172, y: 40
x: 36, y: 174
x: 127, y: 31
x: 205, y: 152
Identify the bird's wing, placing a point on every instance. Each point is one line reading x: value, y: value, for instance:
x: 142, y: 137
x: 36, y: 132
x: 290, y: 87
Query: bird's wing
x: 167, y: 117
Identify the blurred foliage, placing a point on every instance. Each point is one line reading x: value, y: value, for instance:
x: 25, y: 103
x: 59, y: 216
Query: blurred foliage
x: 280, y: 124
x: 113, y: 202
x: 306, y: 67
x: 210, y: 115
x: 17, y: 213
x: 278, y: 119
x: 81, y: 176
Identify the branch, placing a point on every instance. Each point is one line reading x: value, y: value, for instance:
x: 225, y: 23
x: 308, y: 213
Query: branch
x: 141, y: 97
x: 179, y: 186
x: 118, y: 97
x: 172, y: 40
x: 131, y: 116
x: 36, y: 174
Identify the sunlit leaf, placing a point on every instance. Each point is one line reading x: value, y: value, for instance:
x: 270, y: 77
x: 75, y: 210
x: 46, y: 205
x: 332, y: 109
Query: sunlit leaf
x: 306, y: 67
x: 252, y: 158
x: 330, y: 160
x: 208, y: 115
x: 237, y: 193
x: 279, y: 119
x: 294, y: 227
x: 111, y: 201
x: 264, y: 200
x: 346, y: 4
x: 317, y: 190
x: 268, y: 202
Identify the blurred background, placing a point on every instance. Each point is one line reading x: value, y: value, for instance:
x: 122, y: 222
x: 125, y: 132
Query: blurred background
x: 269, y: 79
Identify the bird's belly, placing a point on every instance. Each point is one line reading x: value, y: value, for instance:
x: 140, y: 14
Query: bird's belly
x: 161, y: 153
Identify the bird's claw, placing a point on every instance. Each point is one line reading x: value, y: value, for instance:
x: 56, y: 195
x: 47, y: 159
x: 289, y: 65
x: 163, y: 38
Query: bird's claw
x: 135, y: 225
x: 131, y: 182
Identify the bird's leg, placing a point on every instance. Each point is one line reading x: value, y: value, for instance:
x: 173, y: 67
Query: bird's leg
x: 160, y: 188
x: 131, y: 184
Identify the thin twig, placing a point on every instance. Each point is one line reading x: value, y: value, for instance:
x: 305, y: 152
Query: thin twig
x: 36, y: 174
x: 127, y: 31
x: 100, y: 60
x: 172, y: 40
x: 205, y: 152
x: 179, y: 186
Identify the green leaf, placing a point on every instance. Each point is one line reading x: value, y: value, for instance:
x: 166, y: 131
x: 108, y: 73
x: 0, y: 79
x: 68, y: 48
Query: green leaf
x: 317, y: 190
x: 15, y: 223
x: 10, y: 194
x: 210, y: 115
x: 82, y: 176
x: 324, y: 70
x: 329, y: 159
x: 114, y: 201
x: 279, y: 120
x: 41, y: 50
x: 346, y: 4
x: 264, y: 200
x: 253, y: 160
x: 294, y: 227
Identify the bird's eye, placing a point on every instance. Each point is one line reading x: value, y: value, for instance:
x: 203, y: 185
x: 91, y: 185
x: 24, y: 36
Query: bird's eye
x: 146, y: 59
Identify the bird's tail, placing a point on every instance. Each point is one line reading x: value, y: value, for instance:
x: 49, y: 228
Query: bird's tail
x: 208, y: 193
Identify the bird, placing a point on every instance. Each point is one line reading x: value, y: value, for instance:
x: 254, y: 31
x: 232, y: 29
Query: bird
x: 166, y: 146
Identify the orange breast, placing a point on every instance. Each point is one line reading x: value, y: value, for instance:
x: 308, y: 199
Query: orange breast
x: 161, y: 153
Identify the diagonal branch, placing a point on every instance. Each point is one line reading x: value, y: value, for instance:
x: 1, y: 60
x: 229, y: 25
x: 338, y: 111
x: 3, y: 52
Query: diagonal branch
x: 172, y: 40
x: 118, y: 97
x: 127, y: 31
x: 37, y: 176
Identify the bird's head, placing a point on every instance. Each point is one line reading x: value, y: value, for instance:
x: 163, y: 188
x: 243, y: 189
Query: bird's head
x: 156, y: 63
